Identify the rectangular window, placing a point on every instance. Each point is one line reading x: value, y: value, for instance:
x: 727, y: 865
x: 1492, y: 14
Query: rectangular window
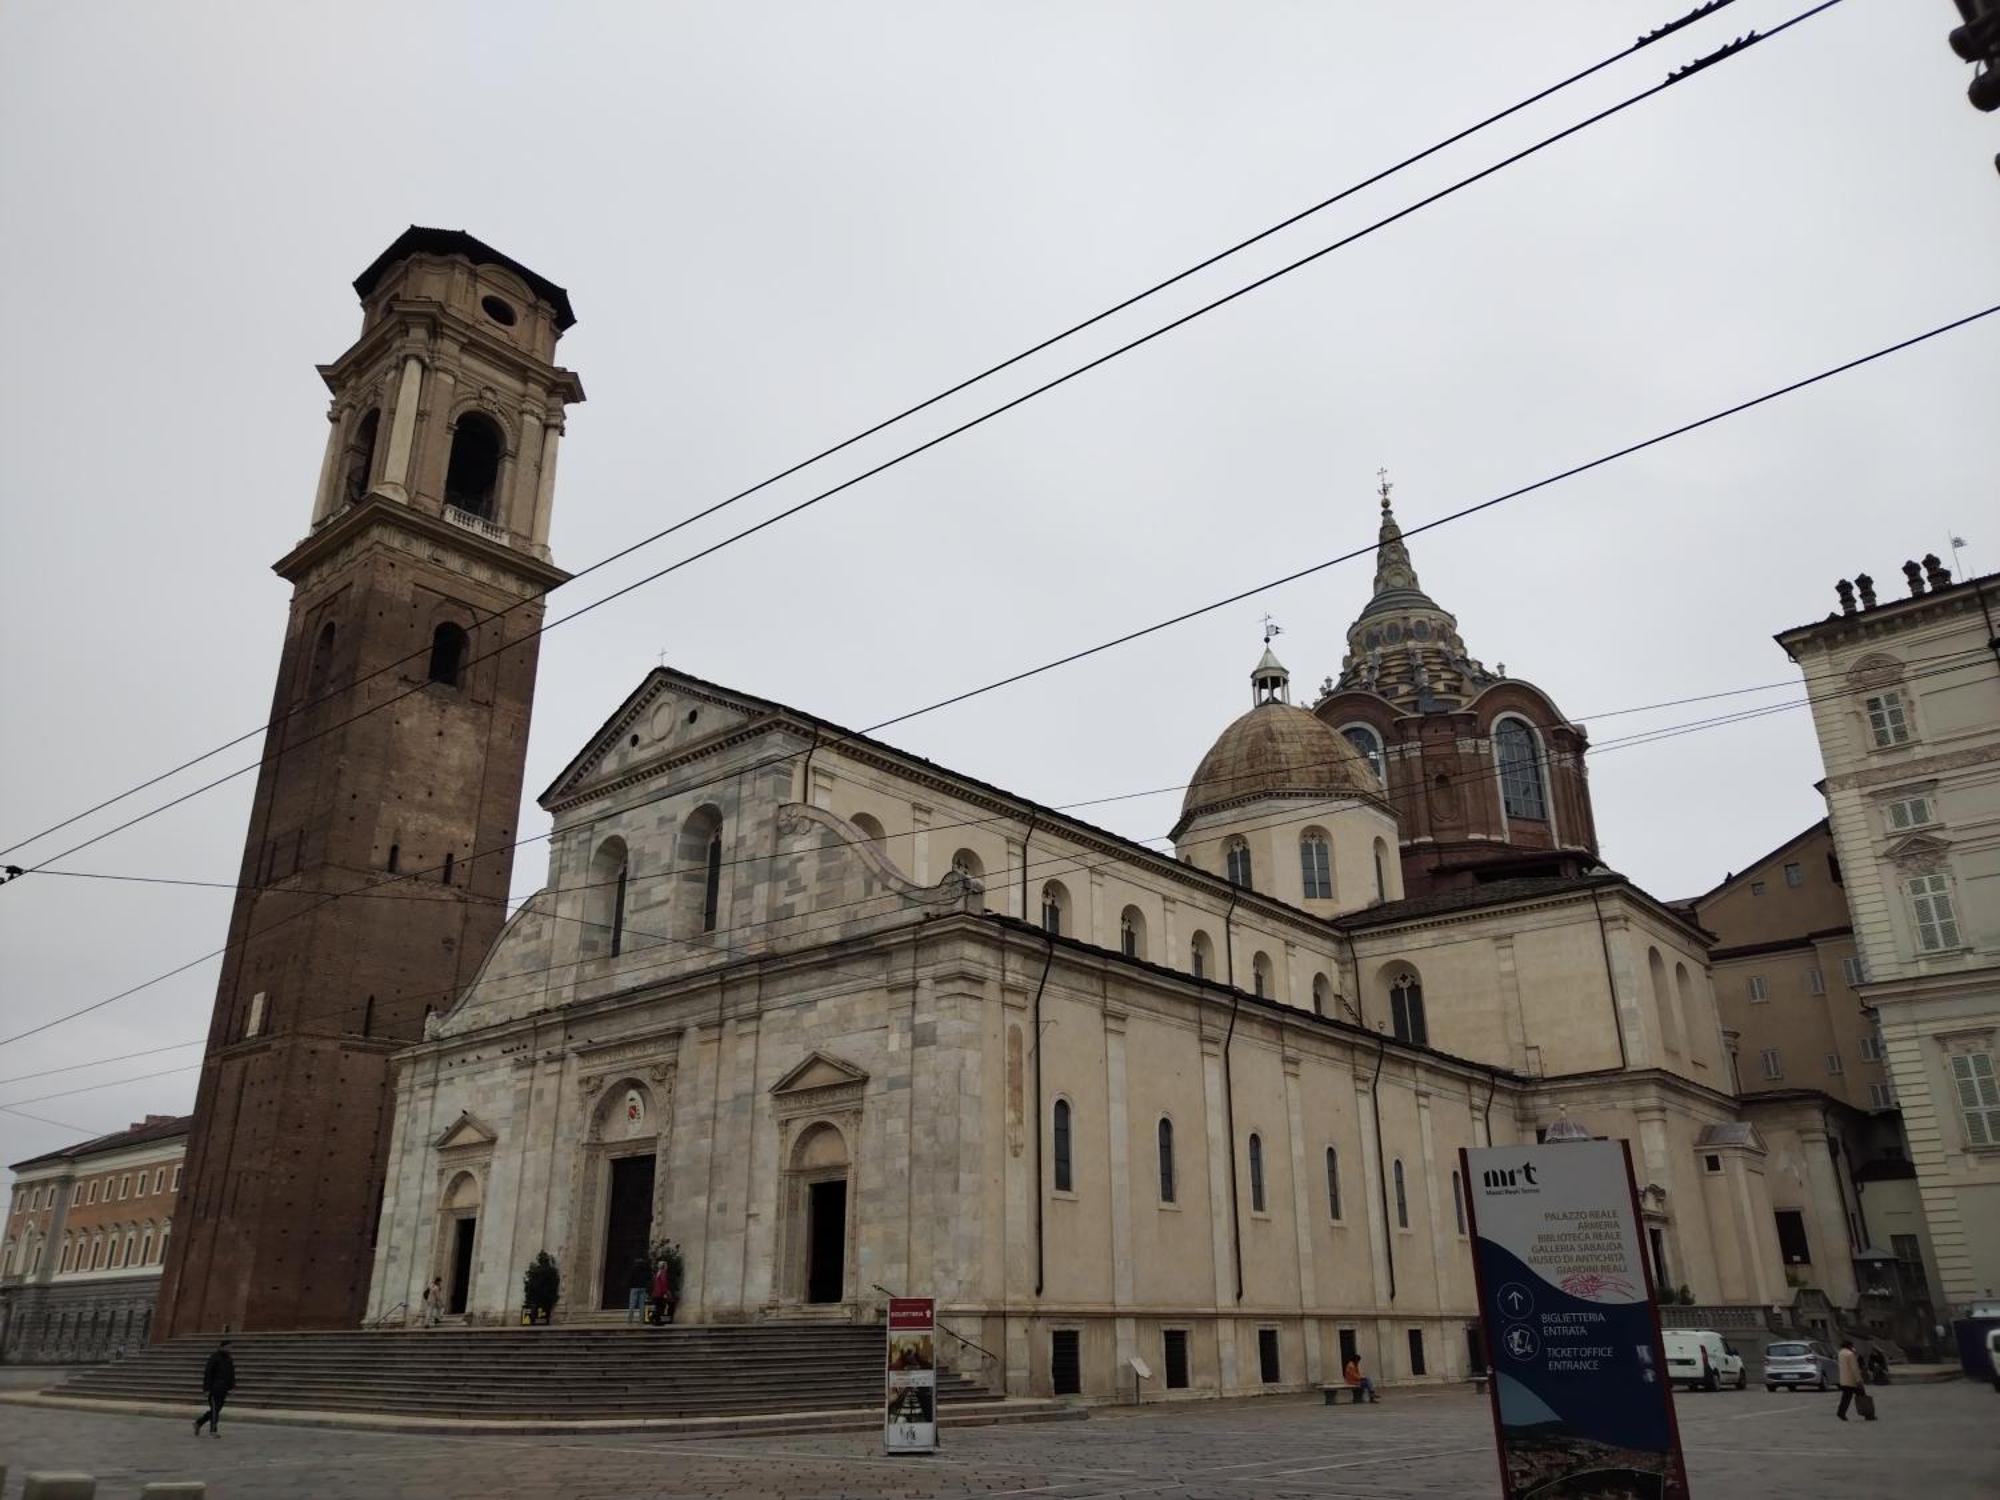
x: 91, y: 1196
x: 1815, y: 982
x: 1174, y: 1341
x: 1930, y: 904
x: 1759, y: 991
x: 1906, y: 1248
x: 124, y: 1187
x: 1267, y: 1355
x: 1978, y: 1096
x: 1065, y: 1363
x: 1881, y: 1096
x: 1833, y: 1063
x: 1794, y: 874
x: 177, y: 1177
x: 1792, y: 1237
x: 1417, y: 1352
x: 1908, y: 812
x: 1871, y: 1048
x: 1886, y: 720
x: 1756, y: 887
x: 1850, y: 970
x: 1773, y: 1064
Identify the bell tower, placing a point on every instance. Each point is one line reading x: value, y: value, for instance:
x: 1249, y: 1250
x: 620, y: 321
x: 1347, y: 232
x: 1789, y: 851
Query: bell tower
x: 376, y: 865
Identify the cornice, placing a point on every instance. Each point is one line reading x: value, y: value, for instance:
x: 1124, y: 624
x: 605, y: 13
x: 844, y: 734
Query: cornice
x: 374, y: 511
x: 437, y: 322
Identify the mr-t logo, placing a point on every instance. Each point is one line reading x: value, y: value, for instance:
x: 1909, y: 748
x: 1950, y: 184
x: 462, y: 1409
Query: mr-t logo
x: 1506, y: 1177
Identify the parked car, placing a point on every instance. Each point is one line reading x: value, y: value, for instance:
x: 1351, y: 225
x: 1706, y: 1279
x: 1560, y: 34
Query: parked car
x: 1702, y: 1359
x: 1790, y: 1366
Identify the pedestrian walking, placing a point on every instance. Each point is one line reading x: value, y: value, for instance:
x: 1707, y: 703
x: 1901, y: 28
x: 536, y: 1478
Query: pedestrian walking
x: 638, y: 1283
x: 1850, y: 1384
x: 662, y: 1287
x: 1363, y: 1386
x: 434, y: 1302
x: 217, y: 1377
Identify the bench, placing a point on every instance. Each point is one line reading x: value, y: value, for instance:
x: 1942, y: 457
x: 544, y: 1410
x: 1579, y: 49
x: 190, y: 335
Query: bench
x: 1333, y: 1393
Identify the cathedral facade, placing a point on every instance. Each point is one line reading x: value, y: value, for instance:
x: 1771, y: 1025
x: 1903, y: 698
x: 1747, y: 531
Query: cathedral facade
x: 845, y: 1023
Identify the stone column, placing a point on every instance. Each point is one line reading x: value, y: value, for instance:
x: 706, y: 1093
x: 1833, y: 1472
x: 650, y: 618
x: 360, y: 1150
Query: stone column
x: 1016, y: 863
x: 522, y: 474
x: 1170, y: 950
x: 1832, y: 1254
x: 545, y: 485
x: 403, y: 431
x: 1302, y: 1218
x: 1017, y: 1285
x: 323, y: 496
x: 1097, y: 921
x: 1219, y: 1149
x: 920, y: 843
x: 1371, y: 1188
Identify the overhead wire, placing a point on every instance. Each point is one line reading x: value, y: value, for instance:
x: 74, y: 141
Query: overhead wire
x: 963, y: 427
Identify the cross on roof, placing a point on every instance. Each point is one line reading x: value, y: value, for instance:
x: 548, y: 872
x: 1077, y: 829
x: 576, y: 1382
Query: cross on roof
x: 1383, y: 476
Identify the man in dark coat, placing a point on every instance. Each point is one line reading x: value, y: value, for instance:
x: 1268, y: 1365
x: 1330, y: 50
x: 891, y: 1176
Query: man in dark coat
x: 217, y: 1376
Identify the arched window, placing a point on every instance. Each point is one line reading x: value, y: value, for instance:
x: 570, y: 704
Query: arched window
x: 447, y: 654
x: 131, y: 1247
x: 1458, y: 1201
x: 96, y: 1252
x: 1519, y: 755
x: 1055, y: 907
x: 473, y: 473
x: 711, y: 887
x: 1060, y: 1141
x: 68, y: 1256
x: 1256, y: 1173
x: 604, y: 903
x: 1381, y: 870
x: 1663, y: 1000
x: 968, y: 864
x: 1369, y: 743
x: 1237, y: 857
x: 395, y: 859
x: 1684, y: 1004
x: 871, y: 830
x: 1402, y: 1198
x: 1315, y: 865
x: 321, y: 667
x: 1201, y: 955
x: 1322, y: 995
x: 1260, y: 976
x: 1132, y: 932
x: 1406, y: 1007
x: 1332, y: 1183
x: 1166, y: 1160
x: 358, y: 460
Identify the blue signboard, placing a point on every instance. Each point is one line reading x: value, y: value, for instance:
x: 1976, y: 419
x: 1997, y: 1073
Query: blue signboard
x: 1582, y: 1408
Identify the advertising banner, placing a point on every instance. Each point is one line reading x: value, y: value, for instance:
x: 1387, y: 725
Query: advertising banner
x: 909, y: 1418
x: 1582, y: 1408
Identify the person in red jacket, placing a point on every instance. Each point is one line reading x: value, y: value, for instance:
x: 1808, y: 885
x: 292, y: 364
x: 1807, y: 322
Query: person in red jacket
x: 663, y: 1286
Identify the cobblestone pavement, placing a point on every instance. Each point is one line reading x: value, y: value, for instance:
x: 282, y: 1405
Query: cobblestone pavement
x: 1934, y: 1442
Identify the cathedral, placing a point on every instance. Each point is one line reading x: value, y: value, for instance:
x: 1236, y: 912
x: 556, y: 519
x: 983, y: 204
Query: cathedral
x: 843, y: 1022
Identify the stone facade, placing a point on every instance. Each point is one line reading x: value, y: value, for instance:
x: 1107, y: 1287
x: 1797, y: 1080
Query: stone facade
x: 86, y: 1233
x: 420, y: 586
x: 859, y: 1023
x: 1906, y: 705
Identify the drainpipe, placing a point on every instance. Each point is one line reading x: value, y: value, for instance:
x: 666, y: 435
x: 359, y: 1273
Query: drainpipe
x: 1381, y: 1164
x: 1610, y: 984
x: 1229, y: 1090
x: 1486, y: 1113
x: 1026, y: 839
x: 1041, y: 1210
x: 1992, y: 635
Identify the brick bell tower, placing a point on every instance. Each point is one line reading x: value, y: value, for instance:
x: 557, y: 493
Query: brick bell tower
x: 375, y: 870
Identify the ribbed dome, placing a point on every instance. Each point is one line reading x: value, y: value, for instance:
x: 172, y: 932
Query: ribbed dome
x: 1275, y: 749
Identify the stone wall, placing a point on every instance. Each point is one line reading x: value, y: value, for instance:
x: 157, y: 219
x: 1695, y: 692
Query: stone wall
x: 76, y: 1323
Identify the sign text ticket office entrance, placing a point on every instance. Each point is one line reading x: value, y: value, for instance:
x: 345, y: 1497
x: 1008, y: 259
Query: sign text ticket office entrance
x: 1581, y: 1400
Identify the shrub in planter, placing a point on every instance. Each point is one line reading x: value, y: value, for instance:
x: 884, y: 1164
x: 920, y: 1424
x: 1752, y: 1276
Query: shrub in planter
x: 541, y: 1284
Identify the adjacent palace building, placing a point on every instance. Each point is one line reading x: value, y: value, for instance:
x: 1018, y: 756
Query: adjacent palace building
x: 843, y: 1021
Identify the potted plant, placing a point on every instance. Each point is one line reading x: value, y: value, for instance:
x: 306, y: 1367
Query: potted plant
x: 541, y: 1284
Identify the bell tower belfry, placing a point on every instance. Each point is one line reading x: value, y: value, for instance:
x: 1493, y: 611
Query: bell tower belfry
x: 376, y: 865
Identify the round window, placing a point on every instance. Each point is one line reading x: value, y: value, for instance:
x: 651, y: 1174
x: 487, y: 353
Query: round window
x: 500, y: 312
x: 1395, y: 634
x: 1421, y: 630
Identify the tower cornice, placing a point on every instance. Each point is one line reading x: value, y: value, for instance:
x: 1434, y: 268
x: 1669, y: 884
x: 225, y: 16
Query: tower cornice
x: 376, y: 511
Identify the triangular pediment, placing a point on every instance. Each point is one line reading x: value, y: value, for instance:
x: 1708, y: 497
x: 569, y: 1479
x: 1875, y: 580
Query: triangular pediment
x: 1918, y: 849
x: 820, y: 1070
x: 666, y: 714
x: 466, y: 1133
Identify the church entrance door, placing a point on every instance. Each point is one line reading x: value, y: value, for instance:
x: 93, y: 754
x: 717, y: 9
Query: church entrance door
x: 628, y: 1224
x: 461, y: 1263
x: 826, y: 1213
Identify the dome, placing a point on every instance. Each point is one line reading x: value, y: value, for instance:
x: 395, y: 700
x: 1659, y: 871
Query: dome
x: 1277, y: 749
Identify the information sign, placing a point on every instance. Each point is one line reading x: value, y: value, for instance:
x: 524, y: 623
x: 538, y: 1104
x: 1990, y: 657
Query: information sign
x: 909, y: 1419
x: 1582, y: 1408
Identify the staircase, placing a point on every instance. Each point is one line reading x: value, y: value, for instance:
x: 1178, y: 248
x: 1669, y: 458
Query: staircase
x: 547, y: 1374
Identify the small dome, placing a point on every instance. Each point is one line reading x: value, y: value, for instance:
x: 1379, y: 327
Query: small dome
x: 1277, y: 749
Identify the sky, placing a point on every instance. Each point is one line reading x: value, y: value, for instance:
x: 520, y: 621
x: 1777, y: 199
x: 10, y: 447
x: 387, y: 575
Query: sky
x: 781, y: 223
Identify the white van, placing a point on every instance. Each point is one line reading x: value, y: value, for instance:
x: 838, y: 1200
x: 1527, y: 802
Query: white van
x: 1701, y: 1359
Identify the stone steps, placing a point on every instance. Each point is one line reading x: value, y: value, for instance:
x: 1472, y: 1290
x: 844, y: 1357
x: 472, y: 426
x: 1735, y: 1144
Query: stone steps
x: 574, y: 1373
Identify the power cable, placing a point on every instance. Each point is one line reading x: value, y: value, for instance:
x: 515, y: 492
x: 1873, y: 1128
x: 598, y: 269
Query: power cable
x: 813, y: 500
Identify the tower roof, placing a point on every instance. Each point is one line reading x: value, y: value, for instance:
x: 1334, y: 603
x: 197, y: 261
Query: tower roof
x: 1404, y: 645
x: 417, y: 240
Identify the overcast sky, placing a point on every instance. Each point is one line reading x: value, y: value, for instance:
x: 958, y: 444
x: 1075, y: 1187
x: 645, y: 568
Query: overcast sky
x: 781, y: 223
